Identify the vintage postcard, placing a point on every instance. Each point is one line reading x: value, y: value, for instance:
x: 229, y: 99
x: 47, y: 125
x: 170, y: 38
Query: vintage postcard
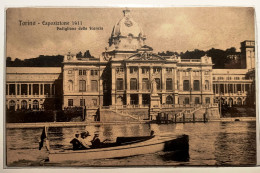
x: 98, y: 87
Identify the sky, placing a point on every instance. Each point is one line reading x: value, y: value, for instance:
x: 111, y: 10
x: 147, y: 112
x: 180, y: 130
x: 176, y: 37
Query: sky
x: 167, y: 29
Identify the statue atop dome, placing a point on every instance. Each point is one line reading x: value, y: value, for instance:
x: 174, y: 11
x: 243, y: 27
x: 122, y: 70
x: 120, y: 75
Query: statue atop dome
x: 127, y: 35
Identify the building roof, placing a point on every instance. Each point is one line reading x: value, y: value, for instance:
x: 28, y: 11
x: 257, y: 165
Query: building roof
x: 230, y: 71
x: 34, y: 70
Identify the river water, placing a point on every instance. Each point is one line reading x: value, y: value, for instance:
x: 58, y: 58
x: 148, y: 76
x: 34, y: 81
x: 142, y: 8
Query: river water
x: 211, y: 144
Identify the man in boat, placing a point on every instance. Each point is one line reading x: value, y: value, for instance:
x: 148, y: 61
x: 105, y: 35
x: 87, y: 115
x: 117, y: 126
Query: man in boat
x: 84, y: 140
x: 75, y: 142
x: 96, y: 141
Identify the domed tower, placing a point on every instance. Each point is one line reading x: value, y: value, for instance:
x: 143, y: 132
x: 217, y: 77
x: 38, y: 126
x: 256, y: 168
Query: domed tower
x: 126, y: 38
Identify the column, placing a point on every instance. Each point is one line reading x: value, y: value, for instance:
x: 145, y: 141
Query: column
x: 127, y: 99
x: 16, y: 90
x: 191, y: 86
x: 139, y: 79
x: 163, y: 79
x: 88, y: 80
x: 191, y: 80
x: 27, y: 88
x: 75, y: 88
x: 50, y: 89
x: 43, y: 89
x: 175, y: 80
x: 39, y: 86
x: 127, y: 79
x: 8, y: 90
x: 180, y: 81
x: 113, y: 85
x: 140, y: 100
x: 163, y: 99
x: 20, y: 89
x: 150, y: 77
x: 31, y: 89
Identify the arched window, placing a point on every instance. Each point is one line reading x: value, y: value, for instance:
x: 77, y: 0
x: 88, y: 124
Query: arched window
x: 133, y: 84
x: 12, y: 105
x: 35, y: 105
x: 239, y: 101
x: 24, y: 104
x: 70, y: 85
x: 169, y: 100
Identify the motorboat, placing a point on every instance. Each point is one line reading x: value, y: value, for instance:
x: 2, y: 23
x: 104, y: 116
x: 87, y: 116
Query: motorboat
x: 124, y: 147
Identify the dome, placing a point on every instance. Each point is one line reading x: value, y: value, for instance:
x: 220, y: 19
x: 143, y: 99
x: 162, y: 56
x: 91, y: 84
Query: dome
x: 127, y: 26
x: 126, y: 34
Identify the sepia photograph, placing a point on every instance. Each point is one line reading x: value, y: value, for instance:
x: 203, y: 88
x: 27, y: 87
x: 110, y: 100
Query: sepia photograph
x: 130, y: 87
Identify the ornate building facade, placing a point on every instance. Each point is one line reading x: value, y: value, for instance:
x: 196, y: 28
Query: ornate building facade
x: 126, y: 75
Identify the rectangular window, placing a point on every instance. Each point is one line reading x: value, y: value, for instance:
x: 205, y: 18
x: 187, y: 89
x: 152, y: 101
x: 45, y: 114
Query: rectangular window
x: 169, y: 70
x: 187, y: 100
x: 70, y: 102
x: 80, y: 72
x: 196, y: 85
x: 133, y: 84
x: 82, y: 85
x: 94, y: 101
x: 156, y: 69
x: 145, y: 84
x: 94, y: 86
x: 207, y: 100
x: 145, y: 70
x: 133, y: 70
x: 94, y: 72
x: 84, y: 72
x: 47, y: 89
x: 186, y: 85
x: 82, y: 102
x: 119, y: 69
x: 120, y: 84
x: 197, y: 100
x: 168, y: 84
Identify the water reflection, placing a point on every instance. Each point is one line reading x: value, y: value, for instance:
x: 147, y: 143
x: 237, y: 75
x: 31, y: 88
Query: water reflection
x: 236, y: 144
x: 213, y: 143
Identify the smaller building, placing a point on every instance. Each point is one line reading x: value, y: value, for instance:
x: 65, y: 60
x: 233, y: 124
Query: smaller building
x: 33, y: 88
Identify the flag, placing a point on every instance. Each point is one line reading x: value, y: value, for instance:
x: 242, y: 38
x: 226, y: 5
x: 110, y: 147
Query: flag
x: 43, y: 136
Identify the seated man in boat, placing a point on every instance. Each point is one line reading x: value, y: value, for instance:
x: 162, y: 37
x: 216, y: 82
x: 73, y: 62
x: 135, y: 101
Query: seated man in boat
x: 96, y: 141
x: 75, y: 142
x: 85, y: 140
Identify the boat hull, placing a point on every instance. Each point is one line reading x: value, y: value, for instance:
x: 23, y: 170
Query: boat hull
x: 150, y: 146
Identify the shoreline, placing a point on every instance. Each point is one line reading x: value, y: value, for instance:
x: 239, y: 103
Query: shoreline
x: 76, y: 124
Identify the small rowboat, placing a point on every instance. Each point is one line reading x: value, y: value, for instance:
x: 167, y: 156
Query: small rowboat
x: 124, y: 147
